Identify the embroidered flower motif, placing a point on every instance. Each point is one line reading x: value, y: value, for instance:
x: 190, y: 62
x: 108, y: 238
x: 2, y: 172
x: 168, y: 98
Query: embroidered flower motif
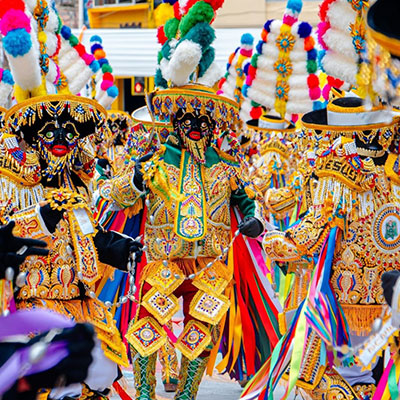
x: 283, y: 67
x: 285, y: 42
x: 282, y: 90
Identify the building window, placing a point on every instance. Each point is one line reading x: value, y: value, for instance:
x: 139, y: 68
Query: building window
x: 117, y: 2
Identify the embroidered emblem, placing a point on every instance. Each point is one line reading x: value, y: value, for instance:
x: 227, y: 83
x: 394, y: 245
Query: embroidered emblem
x: 386, y: 228
x: 146, y: 336
x: 209, y: 308
x: 193, y: 340
x: 163, y: 307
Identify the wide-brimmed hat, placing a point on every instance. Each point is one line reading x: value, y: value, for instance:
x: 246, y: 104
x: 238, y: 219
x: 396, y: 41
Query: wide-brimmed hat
x: 348, y: 117
x: 27, y: 118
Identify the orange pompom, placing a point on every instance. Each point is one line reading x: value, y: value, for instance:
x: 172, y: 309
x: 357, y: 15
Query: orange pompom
x: 264, y: 35
x: 309, y: 43
x: 99, y: 53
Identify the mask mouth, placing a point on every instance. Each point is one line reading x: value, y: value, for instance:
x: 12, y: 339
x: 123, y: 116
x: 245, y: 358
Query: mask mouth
x: 59, y: 150
x: 194, y: 135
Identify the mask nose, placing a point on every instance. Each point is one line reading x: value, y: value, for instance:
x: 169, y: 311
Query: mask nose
x: 59, y: 136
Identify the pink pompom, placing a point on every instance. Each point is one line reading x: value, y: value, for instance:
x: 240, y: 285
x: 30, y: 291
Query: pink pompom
x: 315, y: 93
x: 294, y: 118
x: 1, y: 74
x: 87, y: 58
x: 289, y: 20
x: 105, y: 85
x: 14, y: 19
x: 246, y: 52
x: 249, y: 80
x: 325, y: 92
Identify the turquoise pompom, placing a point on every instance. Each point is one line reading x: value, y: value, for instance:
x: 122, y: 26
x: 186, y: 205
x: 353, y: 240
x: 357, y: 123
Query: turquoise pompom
x: 17, y: 42
x: 295, y: 5
x: 7, y: 77
x: 96, y: 39
x: 112, y: 91
x: 94, y: 66
x: 247, y: 38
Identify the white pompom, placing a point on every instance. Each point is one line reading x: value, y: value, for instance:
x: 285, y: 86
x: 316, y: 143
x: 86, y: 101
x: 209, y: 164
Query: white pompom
x: 184, y: 62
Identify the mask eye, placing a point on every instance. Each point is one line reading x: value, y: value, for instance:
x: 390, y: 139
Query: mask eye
x: 49, y: 135
x: 204, y: 125
x: 70, y: 135
x: 188, y: 122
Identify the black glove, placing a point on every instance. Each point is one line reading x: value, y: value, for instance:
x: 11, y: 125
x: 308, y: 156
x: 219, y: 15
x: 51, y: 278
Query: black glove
x: 114, y: 249
x: 389, y: 279
x: 73, y: 368
x: 138, y: 177
x: 12, y: 252
x: 51, y: 217
x: 251, y: 227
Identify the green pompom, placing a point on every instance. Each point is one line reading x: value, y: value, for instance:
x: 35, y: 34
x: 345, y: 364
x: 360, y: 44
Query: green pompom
x: 171, y: 28
x: 206, y: 61
x: 254, y: 104
x: 166, y: 50
x: 202, y: 34
x: 312, y: 66
x: 254, y: 60
x: 159, y: 57
x: 73, y: 40
x: 106, y: 68
x: 200, y: 12
x: 159, y: 81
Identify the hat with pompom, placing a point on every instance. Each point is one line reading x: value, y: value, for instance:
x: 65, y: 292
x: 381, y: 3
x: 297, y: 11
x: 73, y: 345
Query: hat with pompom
x: 282, y: 76
x: 187, y: 70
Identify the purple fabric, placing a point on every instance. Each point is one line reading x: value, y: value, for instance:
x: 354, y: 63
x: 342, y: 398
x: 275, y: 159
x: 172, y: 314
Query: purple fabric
x: 11, y: 370
x: 24, y: 322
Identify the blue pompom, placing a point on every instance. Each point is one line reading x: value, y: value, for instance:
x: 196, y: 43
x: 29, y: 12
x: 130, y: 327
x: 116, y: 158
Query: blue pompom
x: 312, y: 54
x: 267, y: 25
x: 259, y: 47
x: 103, y: 61
x: 96, y: 38
x: 7, y: 77
x: 228, y: 66
x: 113, y: 91
x: 17, y: 42
x: 66, y: 32
x: 172, y: 2
x: 94, y: 66
x: 319, y: 105
x: 295, y: 5
x: 304, y: 30
x: 247, y: 38
x: 95, y: 47
x: 246, y: 68
x: 245, y: 88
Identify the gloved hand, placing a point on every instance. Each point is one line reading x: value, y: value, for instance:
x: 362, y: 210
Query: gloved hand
x: 138, y: 177
x: 114, y: 249
x: 14, y: 250
x: 50, y: 217
x: 389, y: 279
x: 73, y: 368
x: 251, y: 227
